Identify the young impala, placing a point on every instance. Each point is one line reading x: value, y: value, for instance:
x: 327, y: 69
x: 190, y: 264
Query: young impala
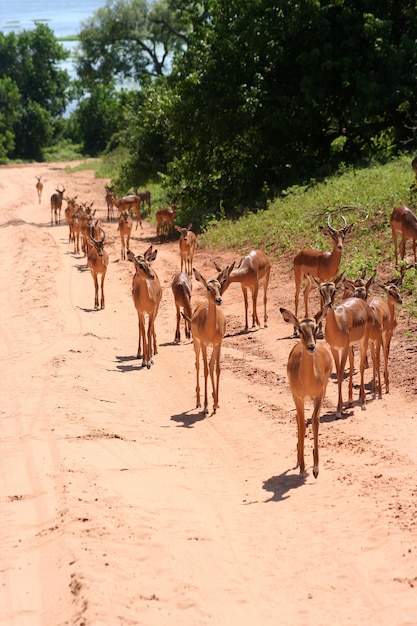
x: 187, y: 248
x: 39, y: 188
x: 146, y: 294
x: 322, y: 265
x: 253, y: 269
x: 181, y: 289
x: 208, y: 326
x: 309, y: 367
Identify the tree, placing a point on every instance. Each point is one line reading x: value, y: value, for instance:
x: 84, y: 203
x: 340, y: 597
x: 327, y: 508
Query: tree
x: 128, y: 39
x: 30, y: 59
x: 266, y: 93
x: 9, y: 106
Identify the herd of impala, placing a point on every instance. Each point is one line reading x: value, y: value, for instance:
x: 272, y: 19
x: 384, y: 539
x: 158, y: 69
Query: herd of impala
x: 357, y: 320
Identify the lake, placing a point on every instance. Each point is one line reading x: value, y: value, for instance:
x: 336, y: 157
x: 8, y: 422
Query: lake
x: 63, y: 18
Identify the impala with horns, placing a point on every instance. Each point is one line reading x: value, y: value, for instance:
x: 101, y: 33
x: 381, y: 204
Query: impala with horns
x: 125, y: 231
x: 309, y: 367
x: 349, y: 323
x: 39, y: 187
x: 98, y: 261
x: 253, y: 270
x: 322, y: 265
x: 208, y: 327
x: 181, y: 289
x: 56, y: 204
x: 165, y: 219
x: 146, y: 294
x: 403, y: 222
x: 132, y: 201
x: 187, y: 248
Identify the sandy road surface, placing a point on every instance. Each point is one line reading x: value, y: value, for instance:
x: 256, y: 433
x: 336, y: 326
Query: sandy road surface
x: 121, y: 504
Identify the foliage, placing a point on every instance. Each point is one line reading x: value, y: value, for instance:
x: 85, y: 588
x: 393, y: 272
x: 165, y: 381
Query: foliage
x: 129, y: 40
x: 98, y: 117
x: 39, y: 90
x: 269, y: 93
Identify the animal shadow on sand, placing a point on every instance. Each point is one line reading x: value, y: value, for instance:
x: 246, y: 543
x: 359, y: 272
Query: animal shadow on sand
x: 281, y: 485
x: 186, y: 420
x: 129, y: 363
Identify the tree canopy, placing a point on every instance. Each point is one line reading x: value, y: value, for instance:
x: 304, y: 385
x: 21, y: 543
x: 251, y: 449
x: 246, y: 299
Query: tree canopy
x: 34, y: 90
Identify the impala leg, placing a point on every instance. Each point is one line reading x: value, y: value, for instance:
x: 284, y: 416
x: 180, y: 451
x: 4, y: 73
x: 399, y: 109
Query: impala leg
x: 402, y: 247
x: 307, y: 290
x: 215, y: 361
x: 255, y: 319
x: 178, y: 331
x: 139, y: 352
x: 364, y: 349
x: 197, y: 369
x: 301, y: 433
x: 351, y: 365
x: 103, y: 276
x: 95, y: 279
x: 340, y: 373
x: 206, y: 373
x: 385, y: 349
x: 266, y: 282
x: 149, y: 360
x: 245, y: 298
x: 316, y: 423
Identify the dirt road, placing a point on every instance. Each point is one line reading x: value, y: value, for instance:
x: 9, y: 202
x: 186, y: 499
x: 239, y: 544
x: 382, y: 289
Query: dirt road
x: 122, y: 504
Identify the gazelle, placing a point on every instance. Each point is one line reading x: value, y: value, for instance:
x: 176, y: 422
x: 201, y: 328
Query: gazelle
x: 253, y: 269
x: 403, y: 222
x: 56, y: 204
x: 208, y: 326
x: 98, y: 261
x: 187, y: 248
x: 165, y: 219
x: 109, y: 202
x: 181, y: 289
x: 146, y: 294
x: 126, y: 203
x: 322, y: 265
x: 347, y: 324
x: 39, y: 188
x: 125, y: 231
x: 309, y: 367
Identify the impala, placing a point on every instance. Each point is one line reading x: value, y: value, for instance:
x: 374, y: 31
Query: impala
x: 322, y: 265
x: 165, y: 219
x: 181, y: 290
x: 146, y: 294
x: 403, y: 222
x: 208, y: 326
x: 347, y: 324
x: 98, y: 261
x: 187, y: 248
x: 309, y: 367
x: 109, y: 202
x: 70, y: 210
x: 253, y: 269
x: 384, y: 313
x: 125, y: 231
x: 131, y: 201
x: 39, y: 188
x: 56, y: 204
x: 145, y: 196
x: 327, y: 290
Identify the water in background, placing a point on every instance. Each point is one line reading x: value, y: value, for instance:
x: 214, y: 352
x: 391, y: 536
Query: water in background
x: 63, y: 17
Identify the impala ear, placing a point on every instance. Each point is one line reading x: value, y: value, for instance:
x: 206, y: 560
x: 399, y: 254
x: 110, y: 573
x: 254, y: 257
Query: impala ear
x: 313, y: 280
x: 218, y: 268
x: 319, y: 317
x: 198, y: 277
x: 289, y: 317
